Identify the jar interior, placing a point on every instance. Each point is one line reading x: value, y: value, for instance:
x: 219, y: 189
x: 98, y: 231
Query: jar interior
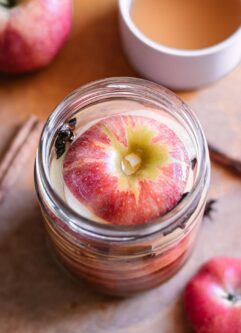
x: 92, y: 114
x: 109, y: 98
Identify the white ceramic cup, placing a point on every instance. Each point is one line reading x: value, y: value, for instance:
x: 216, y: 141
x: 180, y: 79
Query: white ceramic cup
x: 176, y: 68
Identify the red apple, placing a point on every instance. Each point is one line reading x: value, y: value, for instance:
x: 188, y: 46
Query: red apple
x: 127, y: 169
x: 32, y: 33
x: 213, y: 297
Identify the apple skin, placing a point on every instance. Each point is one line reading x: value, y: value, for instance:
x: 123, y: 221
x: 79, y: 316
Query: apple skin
x: 213, y: 297
x: 93, y: 172
x: 32, y: 33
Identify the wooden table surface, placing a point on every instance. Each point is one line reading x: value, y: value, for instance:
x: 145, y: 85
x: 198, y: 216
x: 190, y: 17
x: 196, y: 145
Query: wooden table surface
x: 35, y: 296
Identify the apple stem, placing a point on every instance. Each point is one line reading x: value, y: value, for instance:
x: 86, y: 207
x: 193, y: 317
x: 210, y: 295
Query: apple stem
x: 8, y: 3
x: 130, y: 164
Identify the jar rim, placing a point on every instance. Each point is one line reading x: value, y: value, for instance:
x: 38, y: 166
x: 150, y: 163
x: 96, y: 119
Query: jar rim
x: 76, y: 221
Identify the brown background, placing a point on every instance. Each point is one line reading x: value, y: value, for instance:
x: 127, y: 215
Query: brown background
x: 35, y: 296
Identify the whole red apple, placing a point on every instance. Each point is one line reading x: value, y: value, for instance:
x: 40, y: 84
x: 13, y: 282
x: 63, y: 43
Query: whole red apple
x: 32, y: 32
x: 213, y: 297
x: 127, y: 169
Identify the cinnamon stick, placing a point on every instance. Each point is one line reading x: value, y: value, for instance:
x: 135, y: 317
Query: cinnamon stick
x: 18, y: 153
x: 231, y: 164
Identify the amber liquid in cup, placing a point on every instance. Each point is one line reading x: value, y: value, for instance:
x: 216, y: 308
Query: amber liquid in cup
x: 187, y: 24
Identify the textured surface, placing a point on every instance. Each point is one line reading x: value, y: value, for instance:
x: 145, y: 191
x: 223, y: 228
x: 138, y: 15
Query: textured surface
x: 35, y: 296
x: 219, y: 110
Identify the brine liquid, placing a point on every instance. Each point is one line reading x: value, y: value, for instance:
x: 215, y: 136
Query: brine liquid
x: 92, y: 114
x: 187, y: 24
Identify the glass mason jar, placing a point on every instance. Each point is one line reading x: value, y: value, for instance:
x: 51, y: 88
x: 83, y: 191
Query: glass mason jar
x: 121, y: 260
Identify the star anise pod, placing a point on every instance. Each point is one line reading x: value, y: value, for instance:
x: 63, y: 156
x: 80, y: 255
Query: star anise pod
x: 209, y: 208
x: 65, y: 134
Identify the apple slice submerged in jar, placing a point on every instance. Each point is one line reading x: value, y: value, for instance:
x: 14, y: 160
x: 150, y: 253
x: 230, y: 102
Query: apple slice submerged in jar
x: 126, y: 170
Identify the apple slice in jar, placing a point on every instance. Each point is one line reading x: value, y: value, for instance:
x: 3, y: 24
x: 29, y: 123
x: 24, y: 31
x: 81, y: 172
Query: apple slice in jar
x: 127, y: 170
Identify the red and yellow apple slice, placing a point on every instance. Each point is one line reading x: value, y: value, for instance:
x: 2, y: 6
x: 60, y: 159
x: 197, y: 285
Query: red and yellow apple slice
x: 127, y: 169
